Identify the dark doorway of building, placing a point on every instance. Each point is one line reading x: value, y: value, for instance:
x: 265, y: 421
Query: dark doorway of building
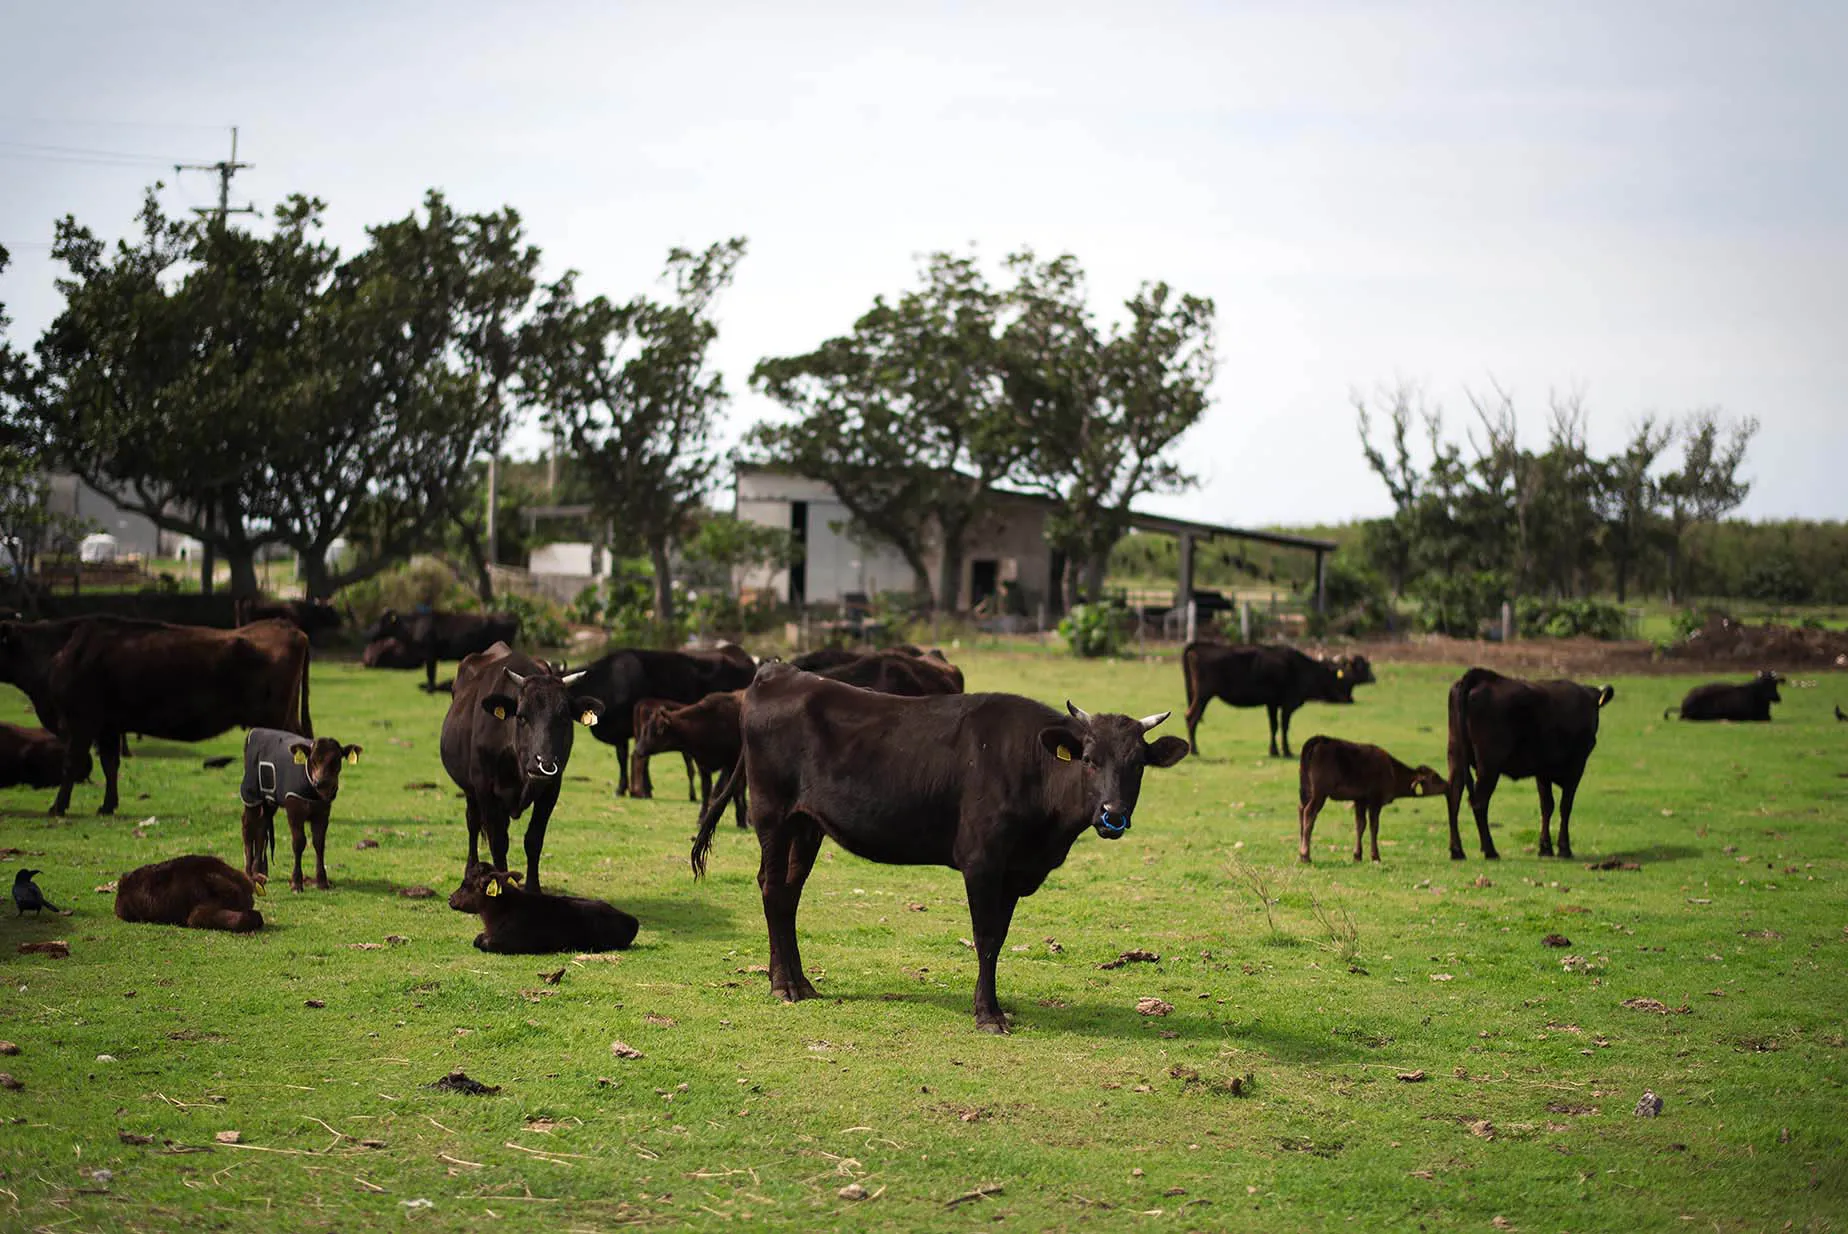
x: 798, y: 569
x: 984, y: 581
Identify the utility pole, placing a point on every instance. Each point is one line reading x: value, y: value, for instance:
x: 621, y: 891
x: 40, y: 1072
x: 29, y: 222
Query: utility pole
x: 208, y: 556
x: 225, y: 168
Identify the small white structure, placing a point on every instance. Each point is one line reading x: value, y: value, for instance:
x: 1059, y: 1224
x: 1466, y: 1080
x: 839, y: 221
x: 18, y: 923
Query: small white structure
x: 98, y: 549
x: 576, y: 558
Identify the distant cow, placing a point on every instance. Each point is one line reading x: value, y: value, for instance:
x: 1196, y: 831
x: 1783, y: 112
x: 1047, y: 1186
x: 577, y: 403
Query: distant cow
x: 437, y: 636
x: 201, y: 892
x: 623, y: 678
x: 505, y: 743
x: 1503, y: 726
x: 301, y: 777
x: 894, y: 672
x: 391, y: 653
x: 1336, y: 770
x: 35, y: 757
x: 641, y: 784
x: 311, y: 617
x: 707, y: 732
x: 1278, y: 679
x: 823, y: 658
x: 1725, y: 701
x: 994, y: 785
x: 106, y: 677
x: 516, y: 922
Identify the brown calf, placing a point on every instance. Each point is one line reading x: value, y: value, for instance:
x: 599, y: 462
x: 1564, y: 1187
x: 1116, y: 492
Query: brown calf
x: 36, y: 757
x: 201, y: 892
x: 299, y: 776
x: 1336, y: 770
x: 641, y: 784
x: 708, y: 731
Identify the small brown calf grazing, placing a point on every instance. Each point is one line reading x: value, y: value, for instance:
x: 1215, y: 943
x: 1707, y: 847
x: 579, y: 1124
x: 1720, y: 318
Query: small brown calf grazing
x: 36, y: 757
x: 301, y: 777
x: 517, y: 922
x: 641, y: 784
x: 1335, y: 770
x: 708, y: 732
x: 201, y: 892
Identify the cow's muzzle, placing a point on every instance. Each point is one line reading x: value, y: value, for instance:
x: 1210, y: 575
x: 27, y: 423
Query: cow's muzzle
x: 544, y: 768
x: 1111, y: 824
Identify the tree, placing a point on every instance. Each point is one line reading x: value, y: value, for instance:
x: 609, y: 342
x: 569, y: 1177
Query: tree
x: 903, y: 418
x: 1099, y: 418
x: 1389, y: 540
x: 1705, y: 486
x: 27, y: 527
x: 629, y: 385
x: 1632, y: 499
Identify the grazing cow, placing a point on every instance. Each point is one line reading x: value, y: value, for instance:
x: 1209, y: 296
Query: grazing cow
x: 516, y: 922
x: 1335, y: 770
x: 823, y: 658
x: 299, y: 776
x: 624, y: 678
x: 1279, y: 679
x: 893, y: 672
x: 311, y: 617
x: 1503, y: 726
x: 437, y: 636
x: 706, y: 732
x: 106, y: 677
x: 505, y: 743
x: 994, y: 785
x: 35, y: 757
x: 201, y: 892
x: 391, y: 653
x: 641, y: 784
x: 1724, y: 701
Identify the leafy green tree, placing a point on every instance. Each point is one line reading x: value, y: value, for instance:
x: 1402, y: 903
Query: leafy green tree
x: 1706, y: 486
x: 630, y: 387
x: 903, y: 418
x: 1633, y: 499
x: 27, y: 527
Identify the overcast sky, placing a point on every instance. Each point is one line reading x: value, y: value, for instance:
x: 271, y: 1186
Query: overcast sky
x: 1648, y: 202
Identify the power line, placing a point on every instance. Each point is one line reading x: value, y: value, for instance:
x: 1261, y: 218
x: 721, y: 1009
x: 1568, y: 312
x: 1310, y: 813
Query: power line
x: 27, y: 149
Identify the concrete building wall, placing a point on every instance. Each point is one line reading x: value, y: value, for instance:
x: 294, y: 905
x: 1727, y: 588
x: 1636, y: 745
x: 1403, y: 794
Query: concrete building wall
x: 135, y: 534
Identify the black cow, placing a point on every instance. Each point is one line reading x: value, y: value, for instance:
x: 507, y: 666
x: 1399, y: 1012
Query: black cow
x: 894, y: 672
x: 516, y: 922
x: 391, y: 653
x: 311, y: 617
x: 505, y: 743
x: 35, y: 757
x: 106, y: 677
x: 1503, y: 726
x: 994, y: 785
x: 1724, y: 701
x: 437, y: 636
x: 824, y: 658
x: 624, y: 678
x: 1278, y: 679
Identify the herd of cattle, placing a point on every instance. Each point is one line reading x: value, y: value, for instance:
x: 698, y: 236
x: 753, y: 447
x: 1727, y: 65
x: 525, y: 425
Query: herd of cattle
x: 883, y: 752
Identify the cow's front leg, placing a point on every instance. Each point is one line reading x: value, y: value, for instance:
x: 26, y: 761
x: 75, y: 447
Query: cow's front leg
x: 1270, y: 713
x: 991, y: 911
x: 298, y: 840
x: 319, y: 823
x: 622, y: 766
x: 1546, y: 817
x: 109, y: 754
x: 255, y: 860
x: 535, y: 838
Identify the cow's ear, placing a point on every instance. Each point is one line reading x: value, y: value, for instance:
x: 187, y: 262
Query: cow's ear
x: 1165, y: 751
x: 353, y: 752
x: 1062, y: 743
x: 300, y: 755
x: 589, y: 710
x: 1606, y: 695
x: 499, y: 706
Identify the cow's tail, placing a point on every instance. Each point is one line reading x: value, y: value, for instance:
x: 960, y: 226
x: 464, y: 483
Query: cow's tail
x: 712, y: 812
x: 1462, y: 750
x: 1190, y: 656
x: 307, y: 723
x: 1305, y: 755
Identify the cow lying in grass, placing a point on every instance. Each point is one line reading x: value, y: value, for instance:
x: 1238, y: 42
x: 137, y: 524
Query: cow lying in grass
x: 198, y: 891
x: 301, y: 778
x: 1335, y: 770
x: 1722, y: 700
x: 517, y: 922
x: 35, y: 757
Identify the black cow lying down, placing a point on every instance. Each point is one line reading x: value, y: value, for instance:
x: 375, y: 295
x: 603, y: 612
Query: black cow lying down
x: 517, y: 922
x: 1503, y: 726
x: 1723, y: 700
x: 994, y: 785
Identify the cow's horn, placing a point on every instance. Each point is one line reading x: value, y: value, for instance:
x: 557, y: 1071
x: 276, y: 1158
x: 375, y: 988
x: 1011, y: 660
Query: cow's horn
x: 1149, y: 722
x: 1078, y: 713
x: 515, y: 678
x: 571, y: 677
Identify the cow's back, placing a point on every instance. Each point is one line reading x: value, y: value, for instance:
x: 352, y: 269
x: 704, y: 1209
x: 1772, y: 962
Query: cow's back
x: 1527, y: 728
x: 182, y: 683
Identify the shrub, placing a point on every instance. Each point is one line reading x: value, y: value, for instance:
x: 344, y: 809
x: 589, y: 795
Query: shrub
x: 1537, y: 618
x: 1460, y: 604
x: 423, y: 581
x: 542, y: 623
x: 1093, y: 630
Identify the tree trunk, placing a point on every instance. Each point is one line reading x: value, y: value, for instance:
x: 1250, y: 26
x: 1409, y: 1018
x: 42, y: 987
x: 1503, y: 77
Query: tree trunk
x: 1094, y: 576
x: 316, y: 581
x: 663, y: 582
x: 243, y: 562
x: 950, y: 572
x: 208, y: 566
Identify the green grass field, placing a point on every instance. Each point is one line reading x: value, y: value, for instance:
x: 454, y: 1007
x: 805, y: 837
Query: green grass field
x: 1270, y: 1098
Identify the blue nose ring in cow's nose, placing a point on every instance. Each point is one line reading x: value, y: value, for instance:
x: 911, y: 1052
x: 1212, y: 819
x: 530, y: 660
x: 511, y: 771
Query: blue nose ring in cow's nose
x: 1111, y: 823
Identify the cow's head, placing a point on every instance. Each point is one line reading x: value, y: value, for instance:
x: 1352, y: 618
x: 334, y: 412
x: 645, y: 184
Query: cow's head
x: 323, y: 760
x: 1111, y: 752
x: 651, y: 730
x: 1354, y: 670
x: 542, y: 709
x: 1767, y: 685
x: 481, y: 884
x: 1427, y: 783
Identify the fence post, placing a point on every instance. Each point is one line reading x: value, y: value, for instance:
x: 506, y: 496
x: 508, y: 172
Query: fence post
x: 1507, y: 629
x: 1244, y: 621
x: 1192, y: 619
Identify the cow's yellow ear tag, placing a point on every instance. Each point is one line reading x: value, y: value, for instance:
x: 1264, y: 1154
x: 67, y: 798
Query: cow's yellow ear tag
x: 1340, y: 673
x: 1065, y: 755
x: 1417, y: 790
x: 493, y: 887
x: 588, y: 719
x: 352, y: 757
x: 500, y: 713
x: 259, y: 886
x: 301, y: 757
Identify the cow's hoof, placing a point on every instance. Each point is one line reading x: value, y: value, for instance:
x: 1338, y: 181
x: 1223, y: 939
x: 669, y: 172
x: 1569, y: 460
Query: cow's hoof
x: 1490, y: 854
x: 295, y: 887
x: 1457, y: 854
x: 105, y: 809
x: 321, y: 884
x: 1565, y: 854
x: 1547, y: 851
x: 996, y: 1024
